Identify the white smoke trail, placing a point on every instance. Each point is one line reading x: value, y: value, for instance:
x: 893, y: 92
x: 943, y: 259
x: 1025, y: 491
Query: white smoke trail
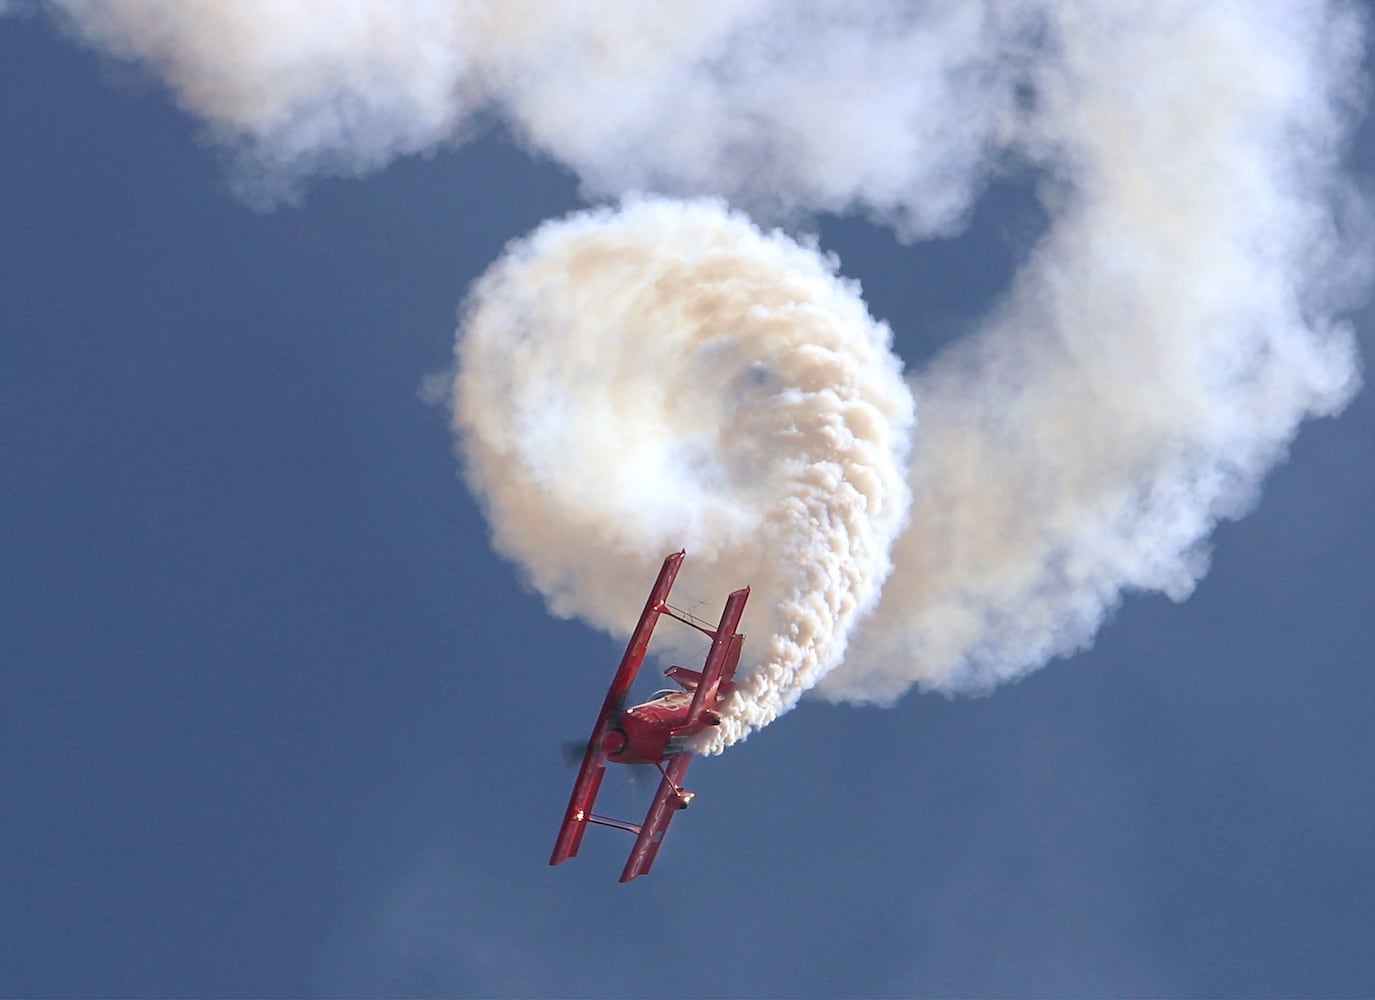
x: 1156, y: 354
x: 1151, y: 362
x: 669, y: 375
x: 755, y: 99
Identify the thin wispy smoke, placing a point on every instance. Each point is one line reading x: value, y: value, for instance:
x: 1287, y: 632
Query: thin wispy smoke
x: 634, y: 379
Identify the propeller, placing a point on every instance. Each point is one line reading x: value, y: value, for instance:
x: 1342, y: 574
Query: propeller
x: 638, y: 776
x: 574, y: 751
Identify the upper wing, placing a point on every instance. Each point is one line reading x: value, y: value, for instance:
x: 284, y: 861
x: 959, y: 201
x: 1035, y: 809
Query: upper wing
x: 639, y: 639
x: 721, y: 660
x: 667, y: 800
x: 589, y: 780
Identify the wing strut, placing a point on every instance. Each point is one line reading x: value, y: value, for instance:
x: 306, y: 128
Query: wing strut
x: 724, y: 654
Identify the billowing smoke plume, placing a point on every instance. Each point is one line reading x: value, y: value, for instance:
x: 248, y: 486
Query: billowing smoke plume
x: 666, y: 374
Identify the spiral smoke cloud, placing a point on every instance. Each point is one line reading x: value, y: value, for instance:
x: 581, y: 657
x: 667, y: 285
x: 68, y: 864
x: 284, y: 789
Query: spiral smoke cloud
x: 1153, y: 358
x: 668, y: 375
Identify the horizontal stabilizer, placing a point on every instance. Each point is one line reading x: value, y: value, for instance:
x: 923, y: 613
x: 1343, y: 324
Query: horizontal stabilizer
x: 689, y: 679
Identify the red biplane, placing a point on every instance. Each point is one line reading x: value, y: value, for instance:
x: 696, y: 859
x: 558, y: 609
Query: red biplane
x: 657, y: 731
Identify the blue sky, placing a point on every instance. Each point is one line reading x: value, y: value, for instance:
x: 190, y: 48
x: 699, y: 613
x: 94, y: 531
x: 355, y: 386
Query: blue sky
x: 277, y: 721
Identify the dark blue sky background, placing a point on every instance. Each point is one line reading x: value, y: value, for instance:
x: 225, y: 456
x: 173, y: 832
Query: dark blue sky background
x: 276, y: 721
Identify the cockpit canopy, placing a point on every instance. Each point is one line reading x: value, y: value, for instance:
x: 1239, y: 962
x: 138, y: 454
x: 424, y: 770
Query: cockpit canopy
x: 671, y: 694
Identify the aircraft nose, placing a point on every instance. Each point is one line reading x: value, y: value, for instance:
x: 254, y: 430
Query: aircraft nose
x: 613, y: 742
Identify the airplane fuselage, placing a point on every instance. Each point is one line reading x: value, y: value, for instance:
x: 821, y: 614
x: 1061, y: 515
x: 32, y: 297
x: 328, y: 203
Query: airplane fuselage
x: 654, y: 731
